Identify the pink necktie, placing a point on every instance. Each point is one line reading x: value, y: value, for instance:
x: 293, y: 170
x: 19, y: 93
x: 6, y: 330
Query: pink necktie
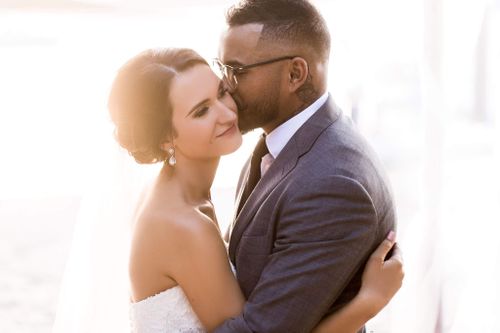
x: 265, y: 163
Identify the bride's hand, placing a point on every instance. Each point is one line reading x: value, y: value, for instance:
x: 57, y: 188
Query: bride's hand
x: 382, y: 278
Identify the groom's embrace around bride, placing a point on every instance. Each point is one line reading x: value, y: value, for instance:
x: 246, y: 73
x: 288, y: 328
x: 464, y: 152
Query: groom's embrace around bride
x: 312, y: 201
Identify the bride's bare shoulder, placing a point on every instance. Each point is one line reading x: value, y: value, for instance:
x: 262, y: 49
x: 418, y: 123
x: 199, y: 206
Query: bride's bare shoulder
x: 174, y: 223
x: 166, y: 237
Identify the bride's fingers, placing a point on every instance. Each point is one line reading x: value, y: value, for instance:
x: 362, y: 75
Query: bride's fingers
x: 397, y: 255
x: 384, y: 248
x: 395, y: 263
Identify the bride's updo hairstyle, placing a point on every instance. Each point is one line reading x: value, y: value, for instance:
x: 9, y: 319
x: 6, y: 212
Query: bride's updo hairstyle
x: 139, y: 102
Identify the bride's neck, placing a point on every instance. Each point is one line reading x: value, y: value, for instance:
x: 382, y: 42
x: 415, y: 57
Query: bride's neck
x: 193, y: 177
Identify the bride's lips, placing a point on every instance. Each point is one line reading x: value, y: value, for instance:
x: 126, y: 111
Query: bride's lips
x: 230, y: 130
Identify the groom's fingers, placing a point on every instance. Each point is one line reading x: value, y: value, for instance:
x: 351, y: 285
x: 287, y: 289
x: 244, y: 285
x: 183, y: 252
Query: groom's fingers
x: 384, y: 248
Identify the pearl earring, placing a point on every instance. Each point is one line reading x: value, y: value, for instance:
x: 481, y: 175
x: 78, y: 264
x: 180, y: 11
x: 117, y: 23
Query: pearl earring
x: 171, y: 159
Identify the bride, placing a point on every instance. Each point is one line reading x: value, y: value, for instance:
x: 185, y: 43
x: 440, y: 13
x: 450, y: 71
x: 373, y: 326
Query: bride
x: 168, y: 106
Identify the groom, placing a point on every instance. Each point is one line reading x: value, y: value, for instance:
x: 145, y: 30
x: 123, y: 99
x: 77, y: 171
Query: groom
x: 312, y: 201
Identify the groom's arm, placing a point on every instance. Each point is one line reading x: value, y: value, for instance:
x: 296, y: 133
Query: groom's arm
x: 324, y: 235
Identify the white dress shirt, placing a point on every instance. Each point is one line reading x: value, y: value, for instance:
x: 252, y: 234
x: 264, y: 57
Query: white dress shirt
x: 279, y: 137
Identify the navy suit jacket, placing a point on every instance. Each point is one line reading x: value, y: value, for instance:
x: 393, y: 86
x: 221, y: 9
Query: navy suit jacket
x: 300, y: 242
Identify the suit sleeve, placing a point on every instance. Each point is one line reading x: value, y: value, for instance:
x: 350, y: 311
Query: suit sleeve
x: 325, y: 232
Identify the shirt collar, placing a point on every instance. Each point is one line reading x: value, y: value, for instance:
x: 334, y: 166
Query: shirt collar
x: 279, y: 137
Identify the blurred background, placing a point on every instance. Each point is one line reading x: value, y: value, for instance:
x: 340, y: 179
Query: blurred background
x: 421, y: 78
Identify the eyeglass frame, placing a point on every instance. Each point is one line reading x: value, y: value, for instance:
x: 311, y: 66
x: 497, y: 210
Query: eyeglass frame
x: 235, y: 70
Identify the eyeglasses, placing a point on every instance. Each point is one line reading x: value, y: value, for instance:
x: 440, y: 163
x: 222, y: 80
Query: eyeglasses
x: 229, y: 73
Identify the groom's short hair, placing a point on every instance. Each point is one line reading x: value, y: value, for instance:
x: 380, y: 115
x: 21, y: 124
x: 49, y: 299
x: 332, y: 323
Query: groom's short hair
x: 292, y: 21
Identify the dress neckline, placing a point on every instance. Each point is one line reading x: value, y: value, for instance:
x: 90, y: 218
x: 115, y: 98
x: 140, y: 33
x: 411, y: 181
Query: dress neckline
x: 166, y: 291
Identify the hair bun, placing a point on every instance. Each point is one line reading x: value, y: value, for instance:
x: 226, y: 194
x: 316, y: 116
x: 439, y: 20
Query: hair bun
x: 138, y: 102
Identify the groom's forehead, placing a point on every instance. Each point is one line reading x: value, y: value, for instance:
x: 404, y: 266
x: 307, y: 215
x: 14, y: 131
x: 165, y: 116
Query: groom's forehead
x: 239, y: 43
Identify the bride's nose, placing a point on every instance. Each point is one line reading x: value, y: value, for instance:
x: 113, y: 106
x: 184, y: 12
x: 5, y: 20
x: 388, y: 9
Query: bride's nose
x: 225, y: 113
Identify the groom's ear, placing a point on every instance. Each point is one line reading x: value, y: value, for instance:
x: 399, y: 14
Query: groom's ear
x: 298, y: 73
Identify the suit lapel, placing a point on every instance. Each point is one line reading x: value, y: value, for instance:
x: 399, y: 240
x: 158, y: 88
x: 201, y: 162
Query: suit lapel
x: 241, y: 189
x: 239, y: 192
x: 271, y: 178
x: 300, y: 143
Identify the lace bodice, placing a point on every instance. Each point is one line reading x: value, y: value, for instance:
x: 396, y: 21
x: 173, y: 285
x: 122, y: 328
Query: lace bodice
x: 168, y: 311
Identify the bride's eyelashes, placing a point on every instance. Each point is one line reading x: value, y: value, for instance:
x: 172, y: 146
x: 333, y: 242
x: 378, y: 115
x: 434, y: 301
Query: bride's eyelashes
x: 222, y: 91
x: 201, y: 112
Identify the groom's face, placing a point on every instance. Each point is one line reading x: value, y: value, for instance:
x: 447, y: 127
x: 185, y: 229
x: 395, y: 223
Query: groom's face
x: 257, y: 94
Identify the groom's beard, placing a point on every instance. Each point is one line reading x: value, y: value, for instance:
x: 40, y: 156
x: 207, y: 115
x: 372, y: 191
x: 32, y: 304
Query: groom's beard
x: 258, y: 114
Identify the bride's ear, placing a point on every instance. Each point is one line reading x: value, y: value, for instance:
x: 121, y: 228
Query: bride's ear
x: 166, y: 145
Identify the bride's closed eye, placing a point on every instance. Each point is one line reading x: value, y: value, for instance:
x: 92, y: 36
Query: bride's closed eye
x: 222, y: 91
x: 201, y: 112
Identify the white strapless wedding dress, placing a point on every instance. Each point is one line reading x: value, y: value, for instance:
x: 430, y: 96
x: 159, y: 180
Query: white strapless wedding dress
x: 168, y: 311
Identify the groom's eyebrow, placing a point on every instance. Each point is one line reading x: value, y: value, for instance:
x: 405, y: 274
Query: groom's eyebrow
x: 197, y: 106
x: 233, y: 63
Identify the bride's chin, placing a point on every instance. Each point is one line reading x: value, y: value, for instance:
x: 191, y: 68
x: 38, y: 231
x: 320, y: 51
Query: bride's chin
x: 233, y: 147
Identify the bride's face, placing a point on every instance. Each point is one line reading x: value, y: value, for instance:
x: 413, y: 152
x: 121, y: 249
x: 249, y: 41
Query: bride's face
x: 204, y: 115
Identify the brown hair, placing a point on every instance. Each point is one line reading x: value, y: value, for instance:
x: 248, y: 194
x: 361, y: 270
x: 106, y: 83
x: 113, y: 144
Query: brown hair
x: 139, y: 102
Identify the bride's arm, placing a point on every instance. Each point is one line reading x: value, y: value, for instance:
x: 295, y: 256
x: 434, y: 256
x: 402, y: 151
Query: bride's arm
x: 201, y: 267
x: 381, y: 280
